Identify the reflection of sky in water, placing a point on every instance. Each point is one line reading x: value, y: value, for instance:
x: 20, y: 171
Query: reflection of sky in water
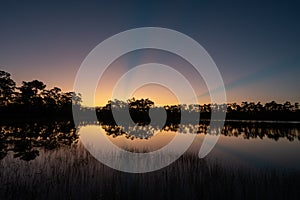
x: 230, y: 150
x: 281, y: 154
x: 159, y: 139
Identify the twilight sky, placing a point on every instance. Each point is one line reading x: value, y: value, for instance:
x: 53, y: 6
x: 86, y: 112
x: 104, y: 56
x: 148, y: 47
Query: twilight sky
x: 256, y: 45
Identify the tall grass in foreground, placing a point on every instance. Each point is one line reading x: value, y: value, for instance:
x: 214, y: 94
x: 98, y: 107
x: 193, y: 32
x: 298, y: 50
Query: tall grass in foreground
x: 72, y: 173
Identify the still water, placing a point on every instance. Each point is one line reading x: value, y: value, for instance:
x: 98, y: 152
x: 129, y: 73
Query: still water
x: 49, y: 160
x: 273, y: 145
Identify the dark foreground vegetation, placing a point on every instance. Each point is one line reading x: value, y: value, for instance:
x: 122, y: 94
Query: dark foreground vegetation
x: 73, y: 174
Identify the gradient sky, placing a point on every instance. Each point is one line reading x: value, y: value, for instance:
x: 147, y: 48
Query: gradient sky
x: 256, y: 45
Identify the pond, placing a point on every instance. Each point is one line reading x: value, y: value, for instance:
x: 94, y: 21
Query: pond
x: 49, y: 161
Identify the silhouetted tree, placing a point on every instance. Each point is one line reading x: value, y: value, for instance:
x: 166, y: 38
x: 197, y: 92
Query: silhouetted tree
x: 7, y: 87
x: 31, y: 92
x: 52, y: 98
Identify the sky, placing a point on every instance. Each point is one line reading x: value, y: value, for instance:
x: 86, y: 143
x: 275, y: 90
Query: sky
x: 255, y: 44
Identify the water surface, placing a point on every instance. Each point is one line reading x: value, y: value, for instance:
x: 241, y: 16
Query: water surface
x: 48, y: 160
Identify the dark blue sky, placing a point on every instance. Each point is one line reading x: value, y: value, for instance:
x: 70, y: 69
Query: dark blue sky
x: 256, y: 45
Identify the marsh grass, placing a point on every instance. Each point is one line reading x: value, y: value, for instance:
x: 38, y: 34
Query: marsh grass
x: 72, y: 173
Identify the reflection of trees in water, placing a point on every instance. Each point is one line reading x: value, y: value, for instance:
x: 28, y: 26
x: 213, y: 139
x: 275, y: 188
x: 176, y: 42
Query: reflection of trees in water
x: 247, y: 130
x: 261, y: 130
x: 133, y: 132
x: 25, y: 139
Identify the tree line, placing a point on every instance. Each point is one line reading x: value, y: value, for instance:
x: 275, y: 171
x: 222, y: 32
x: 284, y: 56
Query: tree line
x: 33, y: 100
x: 139, y: 111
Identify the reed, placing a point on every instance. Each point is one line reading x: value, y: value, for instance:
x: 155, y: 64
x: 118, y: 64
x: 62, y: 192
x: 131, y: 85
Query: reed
x: 72, y: 173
